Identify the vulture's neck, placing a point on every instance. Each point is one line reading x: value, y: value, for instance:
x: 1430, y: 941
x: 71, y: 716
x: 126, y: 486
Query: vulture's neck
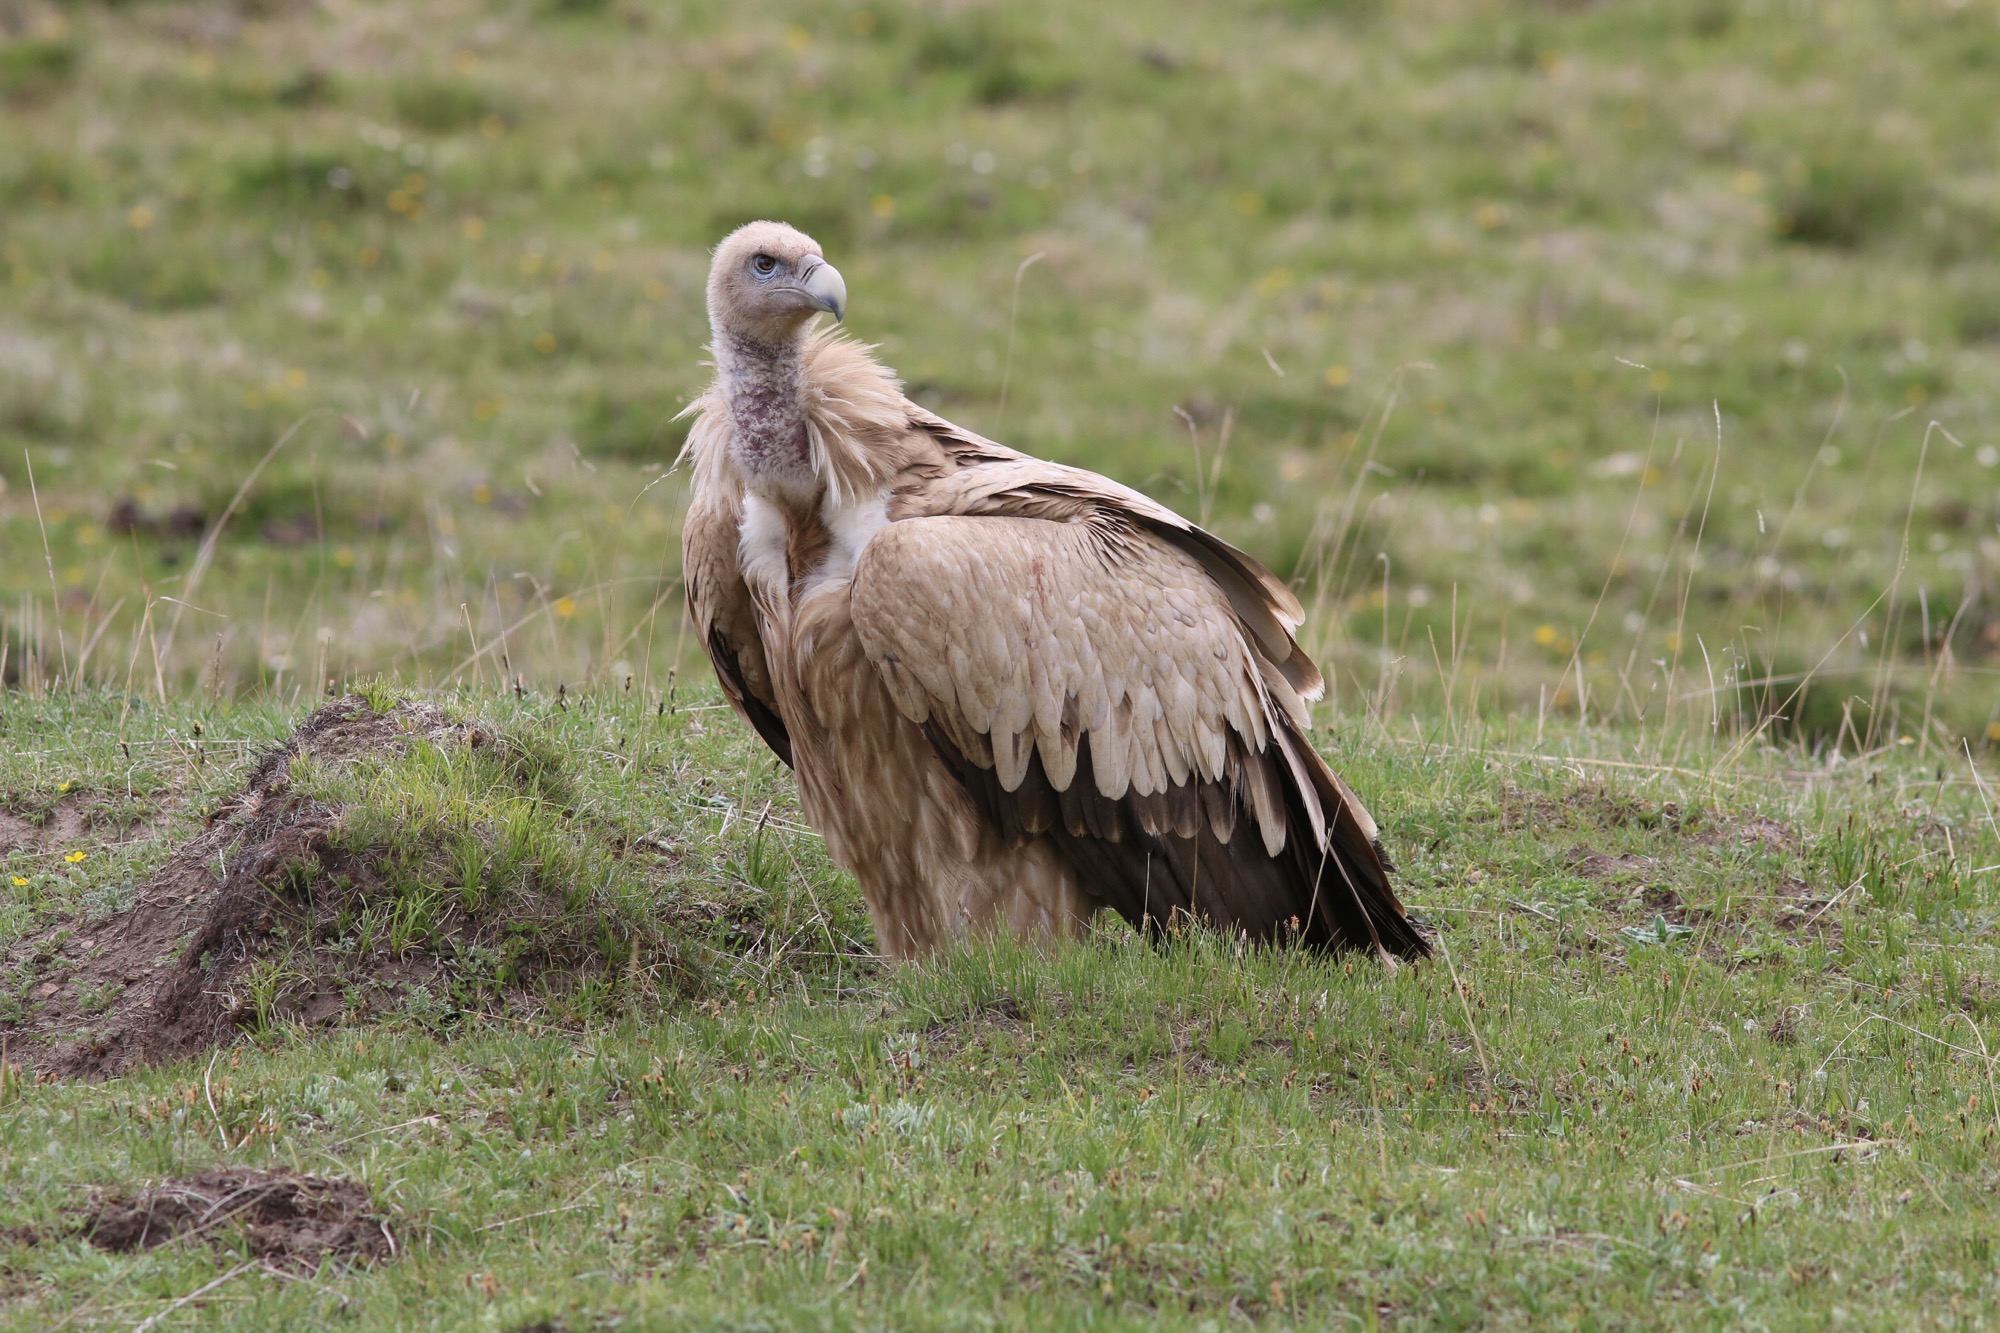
x: 764, y: 389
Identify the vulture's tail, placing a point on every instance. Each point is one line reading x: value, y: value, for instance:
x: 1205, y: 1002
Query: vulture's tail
x: 1350, y: 900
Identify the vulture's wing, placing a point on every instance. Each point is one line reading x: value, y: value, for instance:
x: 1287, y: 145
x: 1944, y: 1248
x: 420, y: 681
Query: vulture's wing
x: 1129, y: 693
x: 719, y: 605
x: 1006, y: 482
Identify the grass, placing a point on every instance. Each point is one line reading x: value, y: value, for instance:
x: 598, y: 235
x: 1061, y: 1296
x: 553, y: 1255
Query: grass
x: 1617, y: 384
x: 1707, y: 1044
x: 1607, y: 350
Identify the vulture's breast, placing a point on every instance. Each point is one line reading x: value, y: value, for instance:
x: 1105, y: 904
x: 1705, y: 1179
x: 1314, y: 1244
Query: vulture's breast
x: 803, y: 551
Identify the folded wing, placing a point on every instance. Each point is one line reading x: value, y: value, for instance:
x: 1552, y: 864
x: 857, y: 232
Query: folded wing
x: 719, y: 602
x: 1115, y: 680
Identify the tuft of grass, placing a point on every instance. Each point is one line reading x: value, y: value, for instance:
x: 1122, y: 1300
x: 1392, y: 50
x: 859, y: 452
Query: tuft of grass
x: 443, y: 106
x: 1847, y: 193
x: 34, y: 67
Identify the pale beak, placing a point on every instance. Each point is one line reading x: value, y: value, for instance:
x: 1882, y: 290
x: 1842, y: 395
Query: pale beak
x: 827, y: 290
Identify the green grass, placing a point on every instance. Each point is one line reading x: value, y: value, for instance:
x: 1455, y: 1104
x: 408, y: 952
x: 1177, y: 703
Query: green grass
x: 1617, y: 383
x: 1516, y: 267
x: 1781, y: 1112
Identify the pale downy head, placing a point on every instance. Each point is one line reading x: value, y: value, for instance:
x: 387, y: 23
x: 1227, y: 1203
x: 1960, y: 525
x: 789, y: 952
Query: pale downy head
x: 767, y: 282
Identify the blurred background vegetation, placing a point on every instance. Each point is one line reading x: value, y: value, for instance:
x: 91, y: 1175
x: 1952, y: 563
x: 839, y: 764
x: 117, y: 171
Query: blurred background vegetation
x: 1633, y: 361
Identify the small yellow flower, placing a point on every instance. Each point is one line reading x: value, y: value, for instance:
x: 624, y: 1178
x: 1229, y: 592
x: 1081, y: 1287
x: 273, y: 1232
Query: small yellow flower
x: 565, y: 607
x: 62, y: 786
x: 883, y: 205
x: 74, y: 857
x: 1545, y: 635
x: 1337, y: 376
x: 20, y: 881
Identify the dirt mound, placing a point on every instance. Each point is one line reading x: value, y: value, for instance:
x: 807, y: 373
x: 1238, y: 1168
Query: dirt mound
x: 295, y: 1221
x: 166, y: 976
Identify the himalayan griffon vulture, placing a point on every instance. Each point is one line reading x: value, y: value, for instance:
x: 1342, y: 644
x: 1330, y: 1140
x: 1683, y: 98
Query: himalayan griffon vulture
x: 1014, y: 693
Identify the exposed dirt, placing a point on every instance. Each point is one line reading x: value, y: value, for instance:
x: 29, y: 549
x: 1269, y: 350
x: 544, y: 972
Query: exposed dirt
x: 1588, y: 804
x: 60, y: 825
x: 1602, y: 865
x: 17, y: 832
x: 1599, y: 805
x: 156, y: 981
x: 1800, y: 913
x: 1751, y: 831
x: 283, y: 1218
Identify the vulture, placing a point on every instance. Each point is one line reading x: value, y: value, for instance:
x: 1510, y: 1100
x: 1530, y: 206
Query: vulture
x: 1013, y: 693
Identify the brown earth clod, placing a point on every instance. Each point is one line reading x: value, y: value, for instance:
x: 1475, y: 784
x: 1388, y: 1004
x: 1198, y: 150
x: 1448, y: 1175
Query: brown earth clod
x: 286, y: 1219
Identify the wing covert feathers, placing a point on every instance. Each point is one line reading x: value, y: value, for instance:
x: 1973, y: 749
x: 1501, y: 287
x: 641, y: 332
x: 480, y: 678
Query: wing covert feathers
x: 1093, y: 682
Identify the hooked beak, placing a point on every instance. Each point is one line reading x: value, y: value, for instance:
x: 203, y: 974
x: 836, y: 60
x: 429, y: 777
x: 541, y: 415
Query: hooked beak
x: 823, y: 284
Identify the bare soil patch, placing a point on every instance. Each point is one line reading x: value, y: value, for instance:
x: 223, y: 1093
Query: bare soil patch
x: 1603, y: 865
x: 1749, y: 831
x: 159, y: 980
x: 283, y: 1218
x: 1800, y: 912
x: 61, y: 824
x: 1599, y: 805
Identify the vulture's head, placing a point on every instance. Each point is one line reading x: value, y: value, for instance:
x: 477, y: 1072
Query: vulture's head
x: 768, y: 280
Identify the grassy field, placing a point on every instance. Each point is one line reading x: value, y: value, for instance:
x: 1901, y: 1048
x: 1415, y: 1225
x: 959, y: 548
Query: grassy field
x: 1706, y: 1046
x: 1599, y: 356
x: 1620, y: 385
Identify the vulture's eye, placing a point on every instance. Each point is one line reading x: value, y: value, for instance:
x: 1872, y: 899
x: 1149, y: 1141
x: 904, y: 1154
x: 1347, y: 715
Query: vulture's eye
x: 764, y: 266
